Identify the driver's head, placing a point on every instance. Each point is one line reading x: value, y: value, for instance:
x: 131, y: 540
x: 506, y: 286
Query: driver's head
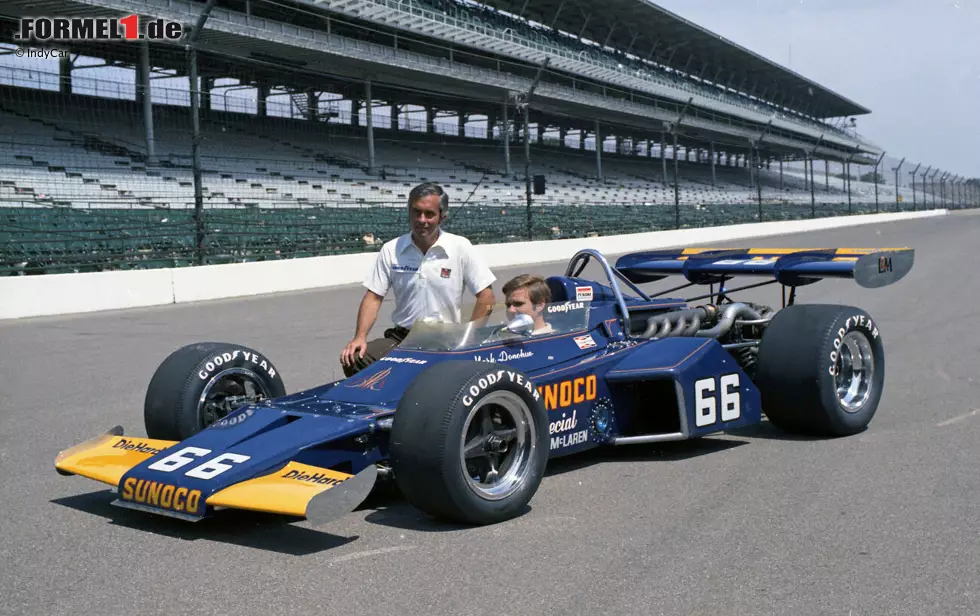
x: 527, y: 294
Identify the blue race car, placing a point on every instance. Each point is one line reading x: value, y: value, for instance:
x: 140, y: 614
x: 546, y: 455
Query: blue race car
x: 464, y: 417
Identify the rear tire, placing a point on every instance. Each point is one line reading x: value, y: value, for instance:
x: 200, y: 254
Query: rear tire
x: 225, y: 376
x: 821, y: 370
x: 455, y: 423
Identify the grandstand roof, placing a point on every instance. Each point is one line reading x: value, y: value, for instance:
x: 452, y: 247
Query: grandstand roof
x: 650, y: 31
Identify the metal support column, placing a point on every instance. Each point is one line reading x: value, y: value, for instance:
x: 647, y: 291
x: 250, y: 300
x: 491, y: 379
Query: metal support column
x: 925, y: 196
x: 524, y: 103
x: 312, y: 106
x: 598, y: 152
x: 369, y: 117
x: 807, y: 181
x: 64, y: 74
x: 757, y: 164
x: 714, y: 178
x: 677, y: 193
x: 527, y: 166
x: 146, y: 95
x: 813, y: 194
x: 505, y: 137
x: 195, y: 95
x: 897, y: 197
x: 913, y: 173
x: 875, y: 178
x: 663, y: 155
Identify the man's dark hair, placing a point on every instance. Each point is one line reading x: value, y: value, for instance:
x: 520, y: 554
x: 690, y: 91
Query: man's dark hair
x: 427, y: 189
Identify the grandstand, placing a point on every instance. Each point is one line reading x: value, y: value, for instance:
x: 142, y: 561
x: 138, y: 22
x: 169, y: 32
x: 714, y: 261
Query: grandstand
x: 316, y: 117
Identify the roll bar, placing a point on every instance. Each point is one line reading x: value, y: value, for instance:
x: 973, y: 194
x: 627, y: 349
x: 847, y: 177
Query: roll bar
x: 612, y: 274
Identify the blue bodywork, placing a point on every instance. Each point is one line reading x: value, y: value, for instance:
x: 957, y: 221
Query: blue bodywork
x: 606, y: 388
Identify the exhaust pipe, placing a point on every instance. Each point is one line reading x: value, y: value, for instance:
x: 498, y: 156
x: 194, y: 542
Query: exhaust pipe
x: 679, y: 323
x: 728, y: 317
x: 687, y: 323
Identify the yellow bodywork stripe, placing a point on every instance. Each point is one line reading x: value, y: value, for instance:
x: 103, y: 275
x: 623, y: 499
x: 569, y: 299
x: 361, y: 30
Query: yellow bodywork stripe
x: 788, y: 251
x: 287, y: 491
x: 107, y: 458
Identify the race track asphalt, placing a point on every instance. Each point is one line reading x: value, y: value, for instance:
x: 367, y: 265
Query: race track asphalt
x: 757, y: 522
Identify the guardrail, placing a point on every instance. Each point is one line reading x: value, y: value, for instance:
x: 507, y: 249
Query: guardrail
x: 54, y: 240
x: 26, y: 296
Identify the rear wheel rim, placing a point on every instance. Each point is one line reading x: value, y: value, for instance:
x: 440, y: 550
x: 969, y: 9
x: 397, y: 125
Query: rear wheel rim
x: 497, y: 445
x: 855, y: 371
x: 228, y: 391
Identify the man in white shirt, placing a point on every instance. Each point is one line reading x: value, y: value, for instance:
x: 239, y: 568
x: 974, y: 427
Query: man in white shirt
x: 529, y: 295
x: 428, y: 269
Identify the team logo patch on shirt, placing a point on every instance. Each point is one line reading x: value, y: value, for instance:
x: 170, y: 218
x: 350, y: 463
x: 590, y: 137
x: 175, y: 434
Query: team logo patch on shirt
x: 446, y: 272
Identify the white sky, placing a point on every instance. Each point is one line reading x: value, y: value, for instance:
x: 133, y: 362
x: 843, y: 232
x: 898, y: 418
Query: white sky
x: 914, y: 63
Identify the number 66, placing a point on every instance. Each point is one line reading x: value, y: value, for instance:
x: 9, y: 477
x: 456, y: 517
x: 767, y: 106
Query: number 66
x: 208, y: 470
x: 705, y: 403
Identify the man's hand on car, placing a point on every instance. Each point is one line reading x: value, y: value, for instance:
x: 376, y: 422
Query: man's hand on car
x: 355, y: 347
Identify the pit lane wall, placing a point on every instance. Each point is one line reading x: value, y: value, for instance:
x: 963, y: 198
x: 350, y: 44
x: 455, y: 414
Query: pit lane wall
x: 58, y: 294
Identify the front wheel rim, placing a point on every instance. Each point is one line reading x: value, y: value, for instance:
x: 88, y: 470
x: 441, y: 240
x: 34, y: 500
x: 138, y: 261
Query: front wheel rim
x: 854, y: 380
x: 228, y: 391
x: 497, y: 445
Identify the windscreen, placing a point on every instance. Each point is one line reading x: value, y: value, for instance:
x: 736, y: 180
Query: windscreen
x: 551, y: 319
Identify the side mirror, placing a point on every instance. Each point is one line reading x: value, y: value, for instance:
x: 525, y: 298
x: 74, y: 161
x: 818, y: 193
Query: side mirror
x: 523, y: 325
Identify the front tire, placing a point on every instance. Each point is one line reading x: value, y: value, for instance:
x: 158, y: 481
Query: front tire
x: 821, y: 370
x: 200, y: 384
x: 469, y: 442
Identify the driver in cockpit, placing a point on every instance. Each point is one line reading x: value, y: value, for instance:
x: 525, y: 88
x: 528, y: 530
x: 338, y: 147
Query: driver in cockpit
x: 529, y: 295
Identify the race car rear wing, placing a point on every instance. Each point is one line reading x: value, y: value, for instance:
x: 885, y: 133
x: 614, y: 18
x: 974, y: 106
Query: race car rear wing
x: 868, y: 267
